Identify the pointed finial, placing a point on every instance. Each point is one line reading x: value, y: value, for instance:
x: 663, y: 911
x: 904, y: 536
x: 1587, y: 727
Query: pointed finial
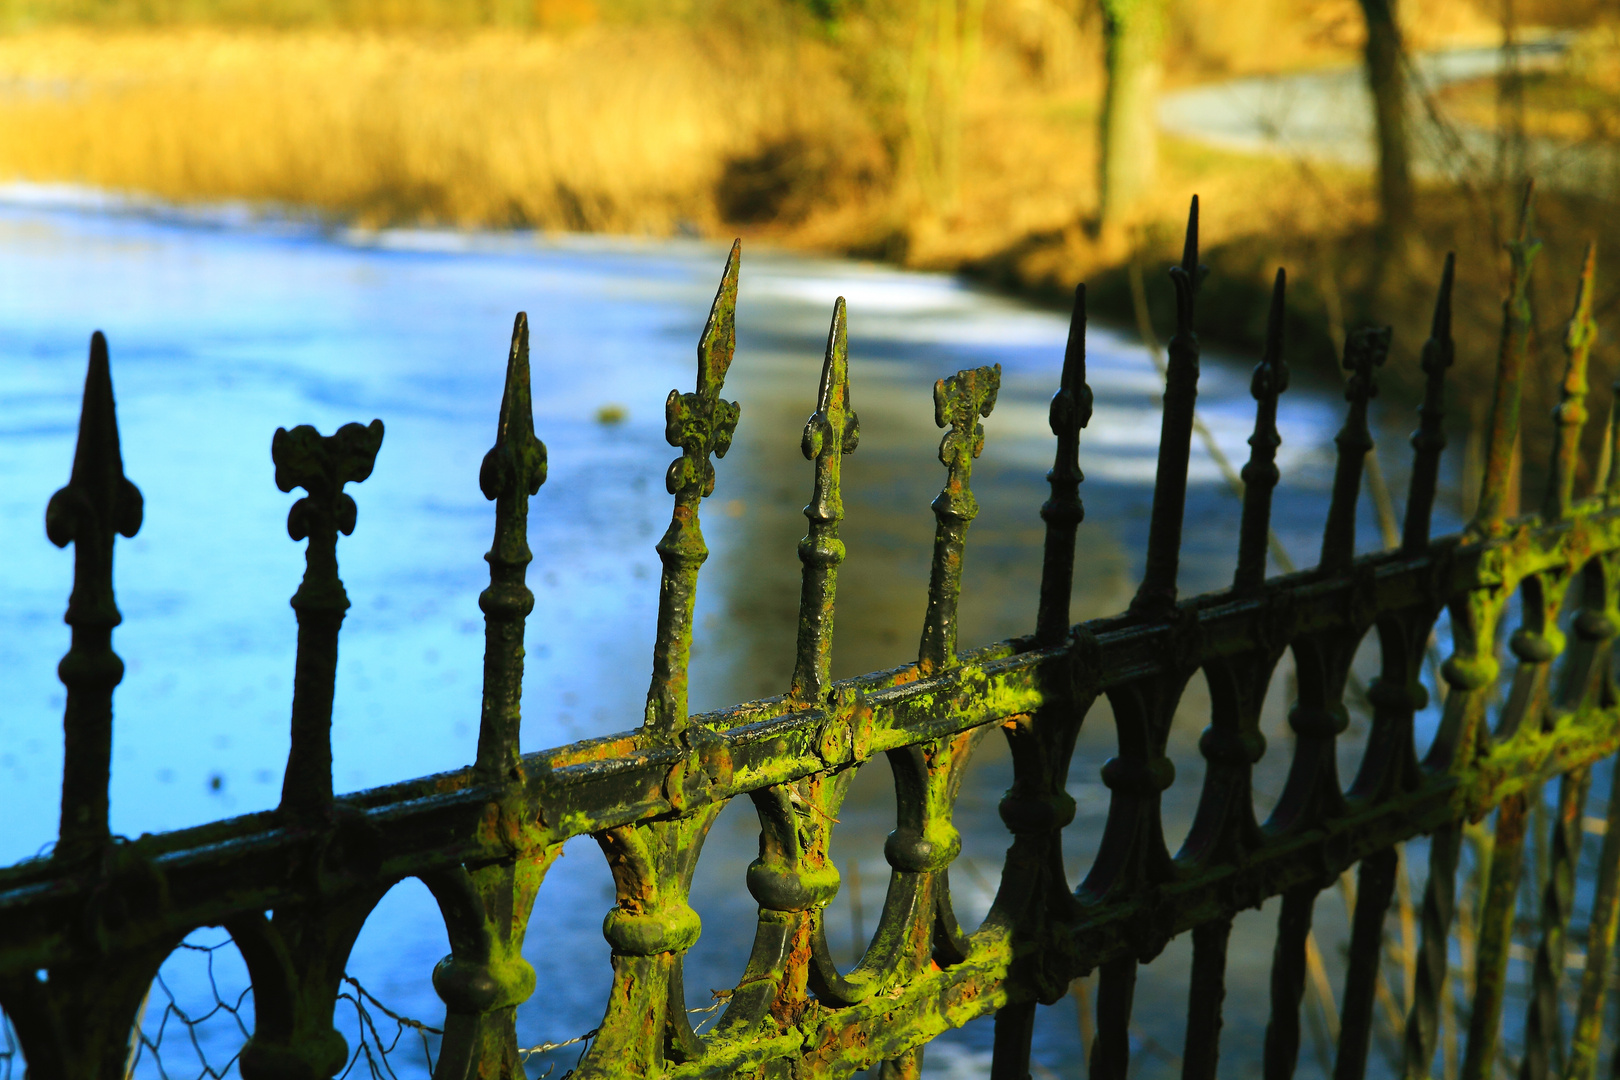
x: 1260, y: 475
x: 1063, y: 512
x: 97, y: 497
x: 831, y: 432
x: 1500, y: 482
x: 701, y: 424
x: 959, y: 402
x: 97, y: 505
x: 517, y: 461
x: 1440, y: 325
x: 321, y: 465
x: 1190, y: 274
x: 1430, y: 438
x: 1570, y: 415
x: 512, y: 471
x: 1365, y: 350
x: 1156, y: 596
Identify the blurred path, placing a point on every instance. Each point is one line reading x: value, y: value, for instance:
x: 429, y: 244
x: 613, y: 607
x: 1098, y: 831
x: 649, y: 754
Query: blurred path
x: 1326, y: 116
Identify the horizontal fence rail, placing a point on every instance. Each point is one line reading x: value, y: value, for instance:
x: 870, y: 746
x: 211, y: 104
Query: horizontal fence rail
x: 84, y: 929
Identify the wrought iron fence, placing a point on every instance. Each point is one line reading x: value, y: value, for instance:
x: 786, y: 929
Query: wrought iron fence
x: 84, y: 929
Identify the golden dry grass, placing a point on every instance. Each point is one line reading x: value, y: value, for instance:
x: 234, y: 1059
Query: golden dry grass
x: 625, y: 129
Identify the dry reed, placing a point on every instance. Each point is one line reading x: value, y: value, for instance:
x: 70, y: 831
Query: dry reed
x: 626, y: 128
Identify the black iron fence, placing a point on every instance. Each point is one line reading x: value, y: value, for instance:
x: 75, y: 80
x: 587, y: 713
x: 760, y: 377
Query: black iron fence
x: 84, y: 929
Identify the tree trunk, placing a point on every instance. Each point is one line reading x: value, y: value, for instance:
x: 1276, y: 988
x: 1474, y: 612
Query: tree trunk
x: 1387, y: 81
x: 1128, y: 158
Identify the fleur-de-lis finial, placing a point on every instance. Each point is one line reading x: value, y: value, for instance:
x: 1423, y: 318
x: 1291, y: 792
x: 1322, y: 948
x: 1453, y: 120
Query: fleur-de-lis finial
x: 832, y: 431
x: 512, y: 471
x: 97, y: 505
x: 959, y: 402
x: 321, y: 465
x: 702, y: 425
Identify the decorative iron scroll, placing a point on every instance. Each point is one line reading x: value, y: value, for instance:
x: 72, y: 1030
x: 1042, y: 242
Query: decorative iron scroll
x: 84, y: 929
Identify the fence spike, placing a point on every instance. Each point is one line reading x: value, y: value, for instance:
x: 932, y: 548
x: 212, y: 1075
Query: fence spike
x: 1570, y: 415
x: 700, y: 424
x: 959, y: 402
x: 1429, y: 440
x: 832, y: 431
x: 1157, y: 593
x: 1063, y: 512
x: 1513, y: 352
x: 1260, y: 475
x: 321, y: 465
x: 1365, y: 350
x: 97, y: 505
x: 513, y: 470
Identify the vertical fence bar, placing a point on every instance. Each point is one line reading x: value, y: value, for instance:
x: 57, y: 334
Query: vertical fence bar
x: 830, y: 433
x: 321, y: 465
x: 1015, y: 1028
x: 793, y: 879
x: 487, y: 908
x: 512, y: 471
x: 1260, y: 475
x: 1495, y: 938
x: 1543, y: 1031
x: 959, y: 402
x: 700, y: 424
x: 1116, y: 991
x: 1033, y: 890
x: 1376, y: 886
x: 1288, y: 982
x: 1570, y: 415
x: 97, y: 505
x: 1205, y: 997
x: 652, y: 926
x: 1156, y: 596
x: 1430, y: 438
x: 1600, y: 938
x: 1063, y: 512
x: 1512, y: 355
